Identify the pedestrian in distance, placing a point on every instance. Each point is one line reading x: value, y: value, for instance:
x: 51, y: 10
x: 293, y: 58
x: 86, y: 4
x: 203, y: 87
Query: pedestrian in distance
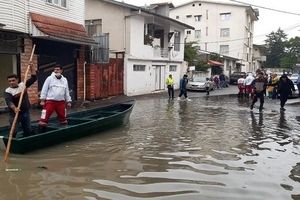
x: 222, y: 81
x: 259, y: 85
x: 182, y: 86
x: 248, y: 85
x: 241, y: 87
x: 298, y: 83
x: 170, y: 86
x: 12, y: 96
x: 285, y: 89
x: 55, y: 96
x: 207, y: 87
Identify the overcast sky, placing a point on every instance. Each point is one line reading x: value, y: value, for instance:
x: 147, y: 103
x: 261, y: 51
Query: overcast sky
x: 268, y: 20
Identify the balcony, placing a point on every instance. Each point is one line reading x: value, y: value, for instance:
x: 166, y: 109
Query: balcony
x: 161, y: 52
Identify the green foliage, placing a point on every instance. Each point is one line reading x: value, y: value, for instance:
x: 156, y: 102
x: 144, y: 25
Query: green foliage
x: 190, y: 53
x: 201, y: 66
x: 275, y: 44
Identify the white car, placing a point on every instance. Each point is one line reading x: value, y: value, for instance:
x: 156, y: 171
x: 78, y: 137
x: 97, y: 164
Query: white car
x: 200, y: 84
x: 294, y: 78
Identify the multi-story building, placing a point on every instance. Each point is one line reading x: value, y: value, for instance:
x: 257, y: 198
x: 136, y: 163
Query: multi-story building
x: 152, y: 43
x: 222, y: 28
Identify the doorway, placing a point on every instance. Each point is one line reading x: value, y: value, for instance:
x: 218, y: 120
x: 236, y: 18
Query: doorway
x: 160, y: 77
x: 8, y: 67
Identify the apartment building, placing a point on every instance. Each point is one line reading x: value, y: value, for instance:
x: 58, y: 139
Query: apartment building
x: 225, y: 29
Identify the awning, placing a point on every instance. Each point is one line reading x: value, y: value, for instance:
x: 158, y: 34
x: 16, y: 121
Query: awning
x: 60, y: 30
x: 214, y: 63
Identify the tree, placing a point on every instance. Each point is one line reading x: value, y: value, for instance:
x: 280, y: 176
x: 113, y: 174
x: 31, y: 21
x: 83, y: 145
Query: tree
x: 275, y: 44
x: 292, y: 53
x: 190, y: 53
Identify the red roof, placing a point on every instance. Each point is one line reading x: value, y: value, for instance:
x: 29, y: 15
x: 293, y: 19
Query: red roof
x: 61, y: 29
x: 214, y: 63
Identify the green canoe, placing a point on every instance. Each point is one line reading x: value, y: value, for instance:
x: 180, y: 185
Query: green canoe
x: 80, y: 124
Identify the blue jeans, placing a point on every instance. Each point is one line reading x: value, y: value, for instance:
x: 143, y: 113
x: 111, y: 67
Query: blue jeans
x: 24, y: 119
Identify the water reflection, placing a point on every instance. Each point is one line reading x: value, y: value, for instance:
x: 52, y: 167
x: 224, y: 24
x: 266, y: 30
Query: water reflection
x: 210, y: 148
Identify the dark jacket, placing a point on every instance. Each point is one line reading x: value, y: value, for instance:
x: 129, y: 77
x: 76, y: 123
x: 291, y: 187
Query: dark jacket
x: 183, y: 82
x: 285, y: 88
x: 12, y: 95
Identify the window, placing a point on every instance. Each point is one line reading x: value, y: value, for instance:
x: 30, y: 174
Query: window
x: 188, y: 16
x: 225, y: 16
x: 206, y: 31
x: 139, y: 67
x: 224, y: 32
x: 197, y: 18
x: 188, y: 32
x: 177, y: 17
x: 173, y: 68
x: 206, y: 14
x: 61, y: 3
x: 93, y: 27
x: 224, y: 49
x: 176, y: 41
x: 197, y: 33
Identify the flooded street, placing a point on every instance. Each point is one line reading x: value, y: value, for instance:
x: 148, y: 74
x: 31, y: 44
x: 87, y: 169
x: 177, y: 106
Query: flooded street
x: 212, y: 148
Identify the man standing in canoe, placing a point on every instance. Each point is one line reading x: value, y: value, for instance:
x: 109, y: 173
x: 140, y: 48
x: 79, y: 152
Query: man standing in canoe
x: 55, y: 96
x: 12, y: 96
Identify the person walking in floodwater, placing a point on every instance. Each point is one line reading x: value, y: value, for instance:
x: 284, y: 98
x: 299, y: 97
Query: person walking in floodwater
x: 285, y: 89
x: 183, y: 91
x: 170, y: 86
x: 259, y: 85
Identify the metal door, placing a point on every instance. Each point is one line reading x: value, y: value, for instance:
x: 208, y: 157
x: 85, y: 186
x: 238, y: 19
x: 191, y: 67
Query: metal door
x: 159, y: 77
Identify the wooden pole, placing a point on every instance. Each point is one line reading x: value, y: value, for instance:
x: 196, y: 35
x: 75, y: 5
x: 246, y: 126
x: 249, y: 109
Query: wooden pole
x: 13, y: 126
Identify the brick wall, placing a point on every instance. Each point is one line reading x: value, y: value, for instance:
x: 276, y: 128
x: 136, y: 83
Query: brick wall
x: 24, y: 61
x: 80, y: 64
x: 90, y: 71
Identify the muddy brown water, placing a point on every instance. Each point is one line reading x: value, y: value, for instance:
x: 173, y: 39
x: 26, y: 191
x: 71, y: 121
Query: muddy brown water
x: 211, y: 148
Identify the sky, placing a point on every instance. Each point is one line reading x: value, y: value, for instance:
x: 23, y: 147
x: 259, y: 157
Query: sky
x: 268, y: 20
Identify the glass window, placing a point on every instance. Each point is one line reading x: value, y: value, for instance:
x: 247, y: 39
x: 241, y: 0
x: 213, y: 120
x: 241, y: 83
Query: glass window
x: 225, y: 16
x: 224, y: 32
x: 173, y: 68
x: 197, y: 18
x: 224, y: 49
x: 93, y: 27
x: 139, y: 67
x: 188, y: 32
x: 177, y: 17
x: 188, y: 16
x: 61, y: 3
x: 176, y: 41
x: 197, y: 33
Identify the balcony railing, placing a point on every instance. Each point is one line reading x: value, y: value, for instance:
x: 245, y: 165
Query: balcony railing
x: 161, y: 52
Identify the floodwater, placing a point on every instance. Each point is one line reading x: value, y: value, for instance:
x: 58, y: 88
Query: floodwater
x: 211, y: 148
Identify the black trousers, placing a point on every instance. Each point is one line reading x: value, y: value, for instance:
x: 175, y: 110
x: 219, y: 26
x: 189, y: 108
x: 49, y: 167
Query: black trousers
x: 283, y: 99
x: 261, y: 97
x: 183, y: 92
x: 171, y: 92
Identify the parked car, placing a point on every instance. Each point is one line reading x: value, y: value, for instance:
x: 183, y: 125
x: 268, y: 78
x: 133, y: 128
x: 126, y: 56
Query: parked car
x: 233, y: 78
x: 200, y: 84
x: 294, y: 78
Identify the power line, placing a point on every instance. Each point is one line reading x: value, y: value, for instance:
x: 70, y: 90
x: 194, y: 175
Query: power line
x: 263, y: 7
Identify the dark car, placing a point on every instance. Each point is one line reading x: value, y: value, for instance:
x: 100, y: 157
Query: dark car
x: 233, y: 78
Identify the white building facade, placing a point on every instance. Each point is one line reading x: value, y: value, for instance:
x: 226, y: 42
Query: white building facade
x: 222, y: 28
x: 153, y: 44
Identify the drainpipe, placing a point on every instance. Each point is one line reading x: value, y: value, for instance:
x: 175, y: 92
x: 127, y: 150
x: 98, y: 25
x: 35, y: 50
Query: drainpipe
x: 84, y: 82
